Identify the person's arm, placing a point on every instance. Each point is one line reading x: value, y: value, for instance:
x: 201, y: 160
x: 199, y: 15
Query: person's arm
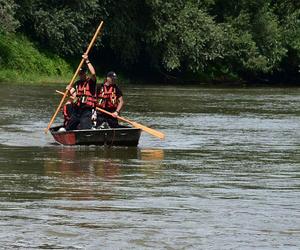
x: 90, y: 67
x: 119, y: 107
x: 72, y: 91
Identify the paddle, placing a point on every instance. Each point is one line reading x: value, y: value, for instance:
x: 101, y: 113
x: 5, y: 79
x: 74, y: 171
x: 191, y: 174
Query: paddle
x: 151, y: 131
x: 74, y: 77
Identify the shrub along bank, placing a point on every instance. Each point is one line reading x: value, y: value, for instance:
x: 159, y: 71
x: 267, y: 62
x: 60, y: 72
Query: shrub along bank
x: 22, y: 61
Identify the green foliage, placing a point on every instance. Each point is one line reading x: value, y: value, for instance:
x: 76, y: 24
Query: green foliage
x: 19, y: 57
x: 211, y: 38
x: 183, y: 36
x: 124, y: 27
x: 62, y: 26
x: 8, y: 23
x: 254, y: 43
x: 268, y: 37
x: 291, y: 31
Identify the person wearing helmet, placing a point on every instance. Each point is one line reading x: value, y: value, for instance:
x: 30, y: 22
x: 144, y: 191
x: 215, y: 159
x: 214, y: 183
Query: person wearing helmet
x: 109, y: 98
x: 84, y: 93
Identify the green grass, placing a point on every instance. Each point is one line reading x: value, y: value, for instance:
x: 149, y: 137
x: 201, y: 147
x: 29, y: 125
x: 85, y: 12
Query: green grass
x: 22, y: 62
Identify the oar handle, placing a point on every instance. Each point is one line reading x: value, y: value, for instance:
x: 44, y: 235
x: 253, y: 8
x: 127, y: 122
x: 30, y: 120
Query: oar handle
x: 151, y: 131
x: 74, y: 77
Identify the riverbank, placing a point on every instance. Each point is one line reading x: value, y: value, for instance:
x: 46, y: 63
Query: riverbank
x: 15, y: 77
x: 22, y: 61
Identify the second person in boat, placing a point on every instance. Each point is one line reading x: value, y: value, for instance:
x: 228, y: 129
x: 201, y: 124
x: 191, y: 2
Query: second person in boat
x: 109, y: 98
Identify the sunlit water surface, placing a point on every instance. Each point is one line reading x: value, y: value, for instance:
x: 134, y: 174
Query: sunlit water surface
x: 227, y: 176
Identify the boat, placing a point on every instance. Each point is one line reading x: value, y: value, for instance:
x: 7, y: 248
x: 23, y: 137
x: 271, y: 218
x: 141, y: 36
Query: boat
x: 121, y: 136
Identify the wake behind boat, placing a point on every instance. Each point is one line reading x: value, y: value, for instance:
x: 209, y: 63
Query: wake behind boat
x: 121, y: 136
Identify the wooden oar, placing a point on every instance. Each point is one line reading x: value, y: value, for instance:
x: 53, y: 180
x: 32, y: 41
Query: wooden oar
x: 151, y: 131
x: 74, y: 77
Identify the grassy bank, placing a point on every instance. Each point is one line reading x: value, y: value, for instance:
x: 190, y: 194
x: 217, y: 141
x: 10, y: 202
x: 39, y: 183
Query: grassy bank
x: 21, y: 61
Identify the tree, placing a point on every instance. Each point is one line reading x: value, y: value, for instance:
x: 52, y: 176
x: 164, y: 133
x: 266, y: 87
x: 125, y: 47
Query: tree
x: 8, y: 23
x: 62, y: 26
x: 182, y: 36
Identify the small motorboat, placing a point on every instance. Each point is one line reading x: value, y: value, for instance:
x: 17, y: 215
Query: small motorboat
x: 121, y: 136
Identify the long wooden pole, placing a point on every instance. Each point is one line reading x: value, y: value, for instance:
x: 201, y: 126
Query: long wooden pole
x: 74, y: 77
x: 151, y: 131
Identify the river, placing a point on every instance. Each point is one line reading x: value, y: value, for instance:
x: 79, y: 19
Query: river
x: 227, y: 176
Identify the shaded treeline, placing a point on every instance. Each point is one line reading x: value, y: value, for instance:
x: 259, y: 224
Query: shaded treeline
x: 201, y: 40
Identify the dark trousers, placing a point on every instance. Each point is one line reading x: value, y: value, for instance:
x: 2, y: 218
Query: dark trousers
x: 112, y: 122
x: 81, y: 117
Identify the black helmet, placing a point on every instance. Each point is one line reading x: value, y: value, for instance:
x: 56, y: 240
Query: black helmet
x: 112, y: 75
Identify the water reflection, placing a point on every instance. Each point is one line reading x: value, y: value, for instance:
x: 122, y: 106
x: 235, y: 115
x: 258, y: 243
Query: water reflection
x: 77, y: 161
x: 152, y: 154
x: 85, y: 174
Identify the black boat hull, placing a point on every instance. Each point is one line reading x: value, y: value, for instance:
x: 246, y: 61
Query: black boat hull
x: 123, y: 136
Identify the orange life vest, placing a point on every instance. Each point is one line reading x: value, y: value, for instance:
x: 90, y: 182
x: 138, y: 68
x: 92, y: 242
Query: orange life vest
x: 107, y: 98
x: 84, y: 95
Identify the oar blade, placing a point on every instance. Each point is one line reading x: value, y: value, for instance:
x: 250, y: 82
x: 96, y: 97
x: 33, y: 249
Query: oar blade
x: 151, y: 131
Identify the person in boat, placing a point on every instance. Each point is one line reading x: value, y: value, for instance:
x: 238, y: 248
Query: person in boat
x: 109, y: 98
x: 84, y: 91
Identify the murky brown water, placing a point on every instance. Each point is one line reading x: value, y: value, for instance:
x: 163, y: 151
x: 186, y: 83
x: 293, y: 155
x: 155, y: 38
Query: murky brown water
x: 226, y: 177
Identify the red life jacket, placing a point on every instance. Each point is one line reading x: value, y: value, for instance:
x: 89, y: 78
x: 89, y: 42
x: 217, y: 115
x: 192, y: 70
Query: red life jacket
x: 107, y: 98
x: 84, y: 95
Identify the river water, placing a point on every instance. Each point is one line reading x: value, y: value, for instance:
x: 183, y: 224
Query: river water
x: 227, y: 176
